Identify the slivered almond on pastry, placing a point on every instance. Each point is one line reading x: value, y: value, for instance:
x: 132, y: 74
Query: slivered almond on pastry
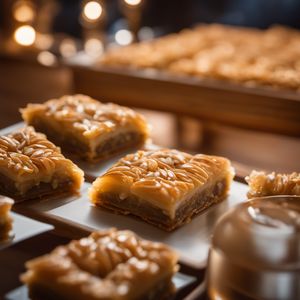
x: 107, y: 265
x: 86, y: 127
x: 163, y: 187
x: 33, y: 167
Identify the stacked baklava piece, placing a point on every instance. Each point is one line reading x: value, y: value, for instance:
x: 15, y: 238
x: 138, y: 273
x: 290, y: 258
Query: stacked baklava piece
x: 250, y: 56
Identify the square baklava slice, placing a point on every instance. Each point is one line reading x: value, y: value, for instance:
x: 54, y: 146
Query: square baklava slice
x: 107, y: 265
x: 33, y: 167
x: 86, y: 127
x: 5, y: 218
x: 163, y: 187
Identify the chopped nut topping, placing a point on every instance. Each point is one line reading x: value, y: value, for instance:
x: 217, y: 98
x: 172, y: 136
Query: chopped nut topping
x: 87, y: 116
x: 172, y: 172
x: 107, y: 265
x: 27, y: 159
x: 26, y: 151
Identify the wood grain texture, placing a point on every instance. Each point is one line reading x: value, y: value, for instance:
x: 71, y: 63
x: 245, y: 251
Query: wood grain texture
x: 258, y: 108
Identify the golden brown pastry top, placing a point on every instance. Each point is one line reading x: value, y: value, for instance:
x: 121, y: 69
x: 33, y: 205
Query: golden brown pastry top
x: 28, y: 158
x: 164, y: 177
x: 110, y: 264
x: 27, y: 151
x: 86, y: 116
x: 263, y: 184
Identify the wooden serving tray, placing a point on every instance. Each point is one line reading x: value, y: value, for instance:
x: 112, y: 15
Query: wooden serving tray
x: 261, y: 108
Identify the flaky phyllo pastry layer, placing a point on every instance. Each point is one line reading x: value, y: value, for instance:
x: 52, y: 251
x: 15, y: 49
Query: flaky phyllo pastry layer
x: 87, y: 127
x: 264, y: 184
x: 164, y: 187
x: 6, y: 220
x: 31, y: 166
x: 106, y: 265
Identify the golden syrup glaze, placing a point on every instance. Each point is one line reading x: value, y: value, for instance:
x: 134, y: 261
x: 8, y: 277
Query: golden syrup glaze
x: 163, y: 177
x: 26, y: 151
x: 85, y: 116
x: 26, y: 154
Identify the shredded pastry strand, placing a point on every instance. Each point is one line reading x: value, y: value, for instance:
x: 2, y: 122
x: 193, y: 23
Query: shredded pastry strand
x: 263, y: 184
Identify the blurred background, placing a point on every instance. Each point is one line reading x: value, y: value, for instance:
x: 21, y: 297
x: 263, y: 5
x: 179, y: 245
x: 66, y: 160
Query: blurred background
x: 41, y: 40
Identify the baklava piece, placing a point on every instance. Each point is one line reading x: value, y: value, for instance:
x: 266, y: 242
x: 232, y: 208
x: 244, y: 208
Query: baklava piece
x: 32, y: 167
x: 86, y: 127
x: 5, y: 218
x: 262, y: 184
x: 164, y: 187
x: 106, y: 265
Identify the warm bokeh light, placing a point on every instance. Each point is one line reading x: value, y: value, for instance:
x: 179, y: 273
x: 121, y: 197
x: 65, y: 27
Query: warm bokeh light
x: 46, y: 58
x: 93, y: 47
x: 68, y: 48
x: 133, y: 2
x: 23, y: 11
x: 92, y: 10
x: 123, y: 37
x: 25, y: 35
x: 44, y: 41
x: 145, y: 33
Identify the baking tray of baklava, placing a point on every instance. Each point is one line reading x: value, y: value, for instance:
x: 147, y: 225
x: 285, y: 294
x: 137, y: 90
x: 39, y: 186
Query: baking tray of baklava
x: 236, y: 76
